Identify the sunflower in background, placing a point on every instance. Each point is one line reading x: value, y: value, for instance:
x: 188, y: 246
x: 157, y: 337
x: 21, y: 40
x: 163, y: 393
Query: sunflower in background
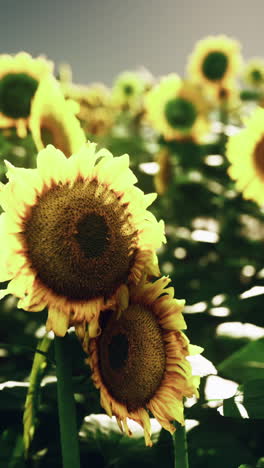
x: 245, y: 151
x: 76, y: 232
x: 97, y: 113
x: 20, y: 76
x: 215, y: 62
x: 177, y: 109
x: 95, y: 108
x: 128, y: 90
x: 52, y: 120
x: 253, y: 75
x: 139, y: 361
x: 253, y: 72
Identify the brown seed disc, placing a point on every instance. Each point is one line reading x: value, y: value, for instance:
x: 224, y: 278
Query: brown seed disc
x: 80, y: 240
x: 132, y: 356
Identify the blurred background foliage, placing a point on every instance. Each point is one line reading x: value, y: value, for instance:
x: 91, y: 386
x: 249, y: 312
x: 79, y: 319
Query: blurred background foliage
x: 215, y: 258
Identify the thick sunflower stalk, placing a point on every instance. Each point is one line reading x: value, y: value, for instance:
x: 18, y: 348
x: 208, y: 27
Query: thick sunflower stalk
x: 80, y: 240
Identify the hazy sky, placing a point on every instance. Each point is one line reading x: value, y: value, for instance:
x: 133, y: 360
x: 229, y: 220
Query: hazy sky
x: 101, y: 38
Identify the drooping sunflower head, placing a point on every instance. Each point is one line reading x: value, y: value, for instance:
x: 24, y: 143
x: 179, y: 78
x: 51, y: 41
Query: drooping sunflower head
x: 245, y: 151
x: 254, y: 72
x: 19, y: 79
x: 176, y: 109
x: 128, y: 90
x: 76, y: 232
x: 139, y: 360
x: 52, y: 121
x: 215, y: 61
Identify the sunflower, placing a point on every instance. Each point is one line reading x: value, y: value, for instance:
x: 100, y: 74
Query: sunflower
x: 215, y: 61
x: 19, y: 79
x: 52, y: 121
x: 96, y: 112
x: 177, y: 109
x: 139, y: 360
x: 76, y: 231
x: 245, y: 151
x: 128, y: 90
x: 254, y: 72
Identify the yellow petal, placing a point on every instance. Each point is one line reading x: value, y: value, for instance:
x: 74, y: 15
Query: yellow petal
x: 52, y: 165
x: 57, y: 321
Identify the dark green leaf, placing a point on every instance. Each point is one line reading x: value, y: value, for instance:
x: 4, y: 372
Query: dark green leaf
x: 245, y: 364
x: 254, y: 398
x: 230, y: 408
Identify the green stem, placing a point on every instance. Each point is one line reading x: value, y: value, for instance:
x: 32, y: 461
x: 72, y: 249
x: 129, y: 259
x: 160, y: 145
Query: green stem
x: 32, y: 400
x: 66, y: 404
x: 180, y: 447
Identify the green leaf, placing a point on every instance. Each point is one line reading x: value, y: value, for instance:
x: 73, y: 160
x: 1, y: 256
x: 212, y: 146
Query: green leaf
x: 260, y: 463
x: 11, y: 449
x: 219, y: 442
x: 17, y: 459
x: 254, y: 398
x: 246, y: 363
x: 100, y: 434
x: 230, y: 408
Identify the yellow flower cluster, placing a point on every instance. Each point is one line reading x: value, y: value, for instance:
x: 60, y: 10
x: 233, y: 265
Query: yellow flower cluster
x: 80, y: 241
x: 30, y: 98
x: 79, y: 238
x: 176, y: 108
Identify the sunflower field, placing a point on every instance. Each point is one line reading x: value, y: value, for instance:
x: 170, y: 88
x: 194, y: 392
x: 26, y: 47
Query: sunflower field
x: 132, y: 264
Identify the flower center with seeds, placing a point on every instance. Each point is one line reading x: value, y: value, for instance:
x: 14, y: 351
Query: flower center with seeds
x: 16, y: 92
x: 118, y: 351
x: 80, y: 240
x: 128, y: 90
x: 256, y: 76
x: 214, y: 65
x: 180, y: 113
x: 92, y: 235
x: 258, y: 158
x: 132, y: 356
